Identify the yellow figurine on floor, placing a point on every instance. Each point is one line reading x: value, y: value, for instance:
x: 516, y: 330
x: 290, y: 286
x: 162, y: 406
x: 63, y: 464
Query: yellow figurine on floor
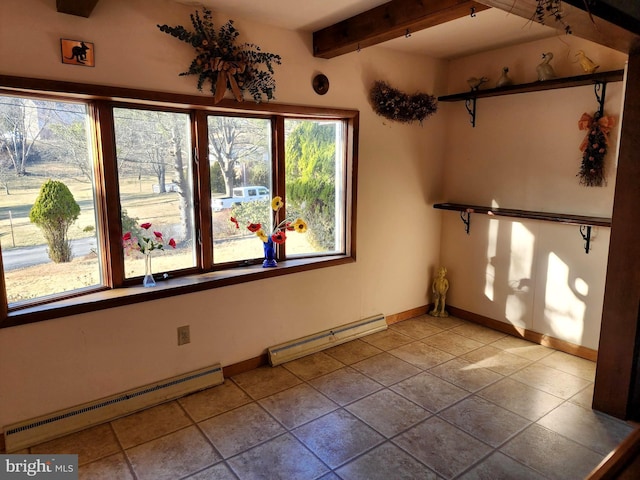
x: 439, y: 288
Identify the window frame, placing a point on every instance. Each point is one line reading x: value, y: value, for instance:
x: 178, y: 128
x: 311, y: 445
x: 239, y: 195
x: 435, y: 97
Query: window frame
x: 116, y: 291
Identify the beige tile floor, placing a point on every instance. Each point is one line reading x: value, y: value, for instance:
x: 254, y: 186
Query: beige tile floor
x: 429, y: 398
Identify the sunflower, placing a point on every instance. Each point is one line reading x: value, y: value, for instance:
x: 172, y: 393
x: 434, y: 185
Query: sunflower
x: 277, y: 203
x: 263, y: 236
x: 299, y: 225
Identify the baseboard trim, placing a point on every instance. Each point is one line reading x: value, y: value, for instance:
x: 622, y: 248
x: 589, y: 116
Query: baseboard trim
x: 245, y: 365
x: 539, y: 338
x: 622, y: 462
x: 407, y: 314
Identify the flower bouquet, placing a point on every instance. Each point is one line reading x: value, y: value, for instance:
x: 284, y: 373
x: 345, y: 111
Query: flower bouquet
x: 146, y: 243
x: 279, y: 233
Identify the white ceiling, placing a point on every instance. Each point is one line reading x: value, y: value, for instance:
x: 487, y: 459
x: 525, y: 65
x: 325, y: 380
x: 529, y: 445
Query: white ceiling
x: 488, y: 30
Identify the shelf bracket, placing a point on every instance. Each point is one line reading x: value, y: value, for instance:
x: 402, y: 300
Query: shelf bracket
x: 466, y: 219
x: 470, y: 105
x: 585, y: 231
x: 600, y: 90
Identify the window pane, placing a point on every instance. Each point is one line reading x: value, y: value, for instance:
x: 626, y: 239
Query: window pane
x: 47, y: 210
x: 156, y: 186
x: 315, y: 185
x: 240, y: 159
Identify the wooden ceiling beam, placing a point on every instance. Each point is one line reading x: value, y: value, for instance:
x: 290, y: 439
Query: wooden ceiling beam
x: 608, y: 30
x: 81, y: 8
x: 386, y: 22
x: 618, y: 12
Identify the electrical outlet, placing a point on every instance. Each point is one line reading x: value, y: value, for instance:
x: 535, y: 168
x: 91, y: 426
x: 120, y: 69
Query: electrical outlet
x: 184, y: 335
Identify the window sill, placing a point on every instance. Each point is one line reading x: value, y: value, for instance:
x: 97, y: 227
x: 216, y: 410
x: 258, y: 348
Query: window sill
x: 165, y: 288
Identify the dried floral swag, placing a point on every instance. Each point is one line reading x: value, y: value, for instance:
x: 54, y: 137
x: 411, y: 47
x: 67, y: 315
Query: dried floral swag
x: 551, y: 8
x: 226, y: 65
x: 391, y: 103
x: 594, y: 148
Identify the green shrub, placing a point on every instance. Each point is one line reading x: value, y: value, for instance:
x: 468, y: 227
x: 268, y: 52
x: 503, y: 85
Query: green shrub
x: 54, y: 211
x: 129, y: 224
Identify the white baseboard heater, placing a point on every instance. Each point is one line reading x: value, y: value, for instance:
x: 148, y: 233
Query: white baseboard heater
x: 301, y: 347
x: 41, y: 429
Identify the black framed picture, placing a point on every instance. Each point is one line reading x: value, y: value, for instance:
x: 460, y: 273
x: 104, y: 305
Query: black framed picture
x: 77, y: 52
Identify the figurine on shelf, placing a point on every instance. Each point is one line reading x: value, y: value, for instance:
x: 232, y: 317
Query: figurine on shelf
x: 588, y: 65
x: 504, y: 79
x: 475, y: 82
x: 439, y: 288
x: 545, y: 70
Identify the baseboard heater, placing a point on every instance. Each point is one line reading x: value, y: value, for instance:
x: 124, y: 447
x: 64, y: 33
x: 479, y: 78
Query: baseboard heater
x: 301, y: 347
x: 41, y: 429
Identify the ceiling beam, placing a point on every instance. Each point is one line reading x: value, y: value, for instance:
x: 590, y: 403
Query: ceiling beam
x: 386, y: 22
x: 81, y: 8
x: 610, y: 29
x: 623, y: 13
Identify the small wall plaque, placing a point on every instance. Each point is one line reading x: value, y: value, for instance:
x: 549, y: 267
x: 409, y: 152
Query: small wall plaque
x: 77, y: 52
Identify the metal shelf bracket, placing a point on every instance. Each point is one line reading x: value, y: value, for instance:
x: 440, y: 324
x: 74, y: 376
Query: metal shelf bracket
x: 466, y: 219
x: 585, y: 231
x: 600, y: 90
x: 470, y: 105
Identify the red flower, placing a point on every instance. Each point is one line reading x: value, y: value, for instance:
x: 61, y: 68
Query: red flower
x: 289, y: 227
x: 235, y: 220
x: 254, y: 227
x: 158, y: 235
x: 146, y: 226
x: 279, y: 237
x: 126, y: 237
x: 172, y: 243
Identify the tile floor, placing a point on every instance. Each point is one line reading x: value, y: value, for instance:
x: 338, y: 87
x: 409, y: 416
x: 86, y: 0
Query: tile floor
x: 430, y: 398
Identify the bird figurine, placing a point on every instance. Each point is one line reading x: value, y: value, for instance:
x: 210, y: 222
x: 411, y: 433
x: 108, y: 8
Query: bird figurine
x: 545, y: 70
x: 588, y: 65
x: 475, y: 82
x: 504, y: 79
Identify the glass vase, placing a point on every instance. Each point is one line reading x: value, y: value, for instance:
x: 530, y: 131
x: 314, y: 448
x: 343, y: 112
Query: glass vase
x: 148, y: 280
x: 269, y: 254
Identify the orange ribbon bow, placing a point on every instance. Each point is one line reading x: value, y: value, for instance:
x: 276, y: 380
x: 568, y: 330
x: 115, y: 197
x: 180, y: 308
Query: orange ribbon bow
x: 587, y: 122
x: 227, y: 71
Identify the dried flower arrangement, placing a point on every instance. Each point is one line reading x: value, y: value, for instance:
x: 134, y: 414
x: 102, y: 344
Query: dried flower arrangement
x: 225, y: 64
x: 551, y: 8
x: 391, y: 103
x: 594, y: 148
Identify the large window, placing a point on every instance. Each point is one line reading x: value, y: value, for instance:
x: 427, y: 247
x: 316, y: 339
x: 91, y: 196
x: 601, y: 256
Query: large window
x: 315, y: 183
x: 240, y: 160
x: 155, y: 180
x: 76, y: 174
x: 47, y: 211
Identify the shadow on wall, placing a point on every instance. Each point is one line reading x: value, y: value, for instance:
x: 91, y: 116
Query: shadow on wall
x: 530, y: 281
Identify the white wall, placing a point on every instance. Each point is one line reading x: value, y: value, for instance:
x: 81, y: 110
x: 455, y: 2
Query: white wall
x: 523, y: 154
x: 59, y: 363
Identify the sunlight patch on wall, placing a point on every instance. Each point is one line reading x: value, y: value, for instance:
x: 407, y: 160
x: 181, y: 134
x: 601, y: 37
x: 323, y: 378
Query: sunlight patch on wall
x: 520, y: 265
x: 492, y: 248
x: 581, y: 287
x: 564, y: 309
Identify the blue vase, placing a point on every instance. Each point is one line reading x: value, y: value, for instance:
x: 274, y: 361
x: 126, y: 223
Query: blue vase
x: 269, y: 254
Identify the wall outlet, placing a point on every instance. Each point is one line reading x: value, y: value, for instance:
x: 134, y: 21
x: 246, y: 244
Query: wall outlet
x: 184, y: 335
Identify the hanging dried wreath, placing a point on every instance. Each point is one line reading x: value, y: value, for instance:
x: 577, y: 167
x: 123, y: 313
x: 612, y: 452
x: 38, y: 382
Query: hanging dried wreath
x: 391, y: 103
x: 594, y: 147
x: 552, y: 8
x: 224, y: 64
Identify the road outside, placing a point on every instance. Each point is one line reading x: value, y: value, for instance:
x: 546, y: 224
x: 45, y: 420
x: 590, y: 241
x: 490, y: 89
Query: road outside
x: 15, y: 258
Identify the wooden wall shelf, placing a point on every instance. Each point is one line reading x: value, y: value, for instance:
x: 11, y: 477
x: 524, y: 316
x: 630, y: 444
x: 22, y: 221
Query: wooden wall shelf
x: 599, y: 80
x: 585, y: 222
x: 577, y: 81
